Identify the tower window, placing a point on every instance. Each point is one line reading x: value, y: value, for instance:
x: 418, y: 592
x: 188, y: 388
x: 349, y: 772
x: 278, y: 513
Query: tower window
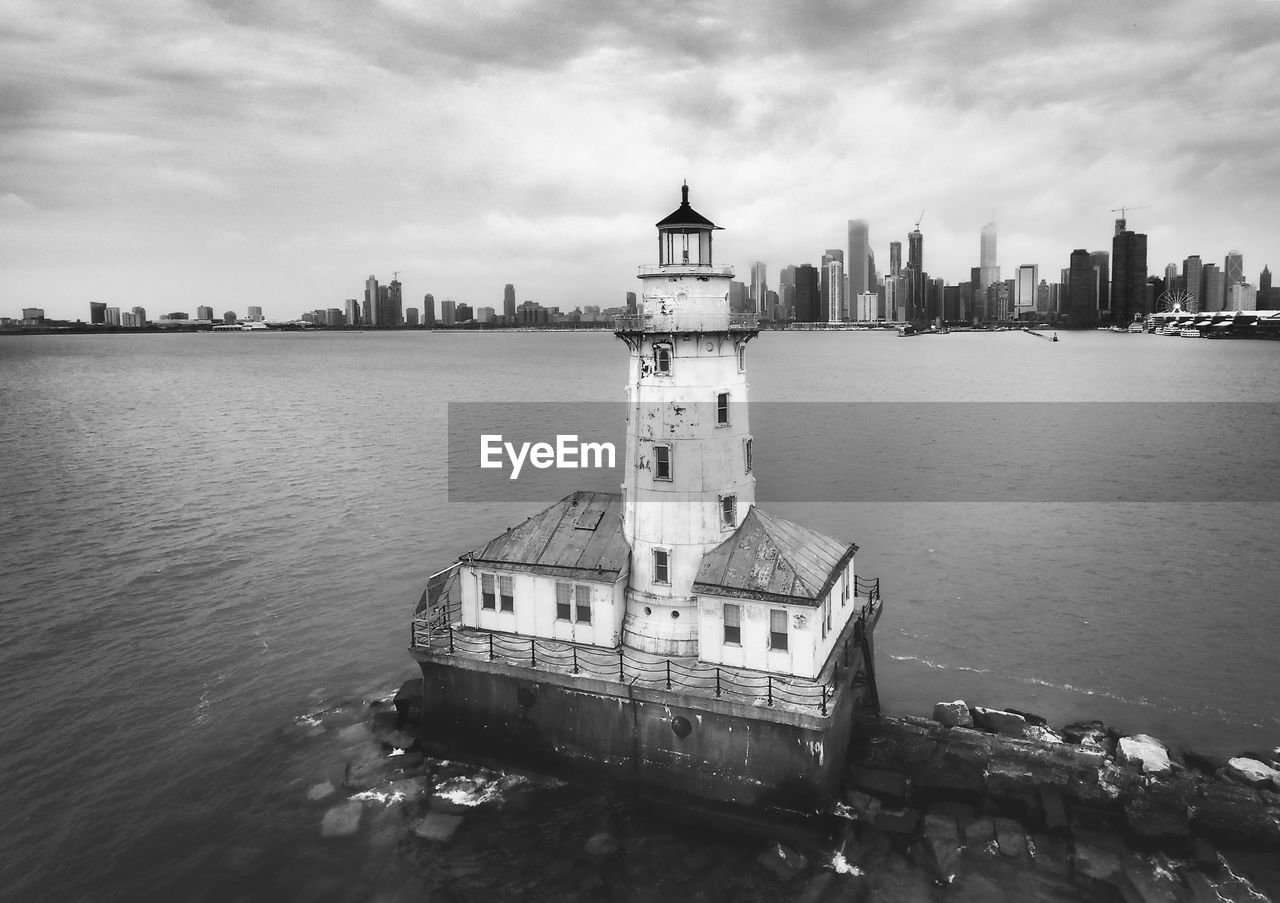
x: 722, y: 409
x: 662, y: 462
x: 778, y: 630
x: 742, y: 357
x: 582, y: 599
x: 562, y: 601
x: 661, y: 558
x: 746, y: 453
x: 732, y: 624
x: 507, y: 593
x: 662, y: 360
x: 488, y: 598
x: 728, y: 511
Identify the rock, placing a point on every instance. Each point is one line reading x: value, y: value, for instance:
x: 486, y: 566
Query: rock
x: 1152, y: 882
x: 864, y: 805
x: 1011, y: 838
x: 341, y: 821
x: 1038, y: 733
x: 888, y: 785
x: 600, y: 846
x: 1055, y: 811
x: 959, y: 770
x: 408, y: 698
x: 1205, y: 762
x: 979, y: 833
x: 1089, y: 734
x: 1150, y: 822
x: 398, y: 740
x: 953, y: 714
x: 783, y: 862
x: 1145, y: 751
x: 942, y: 841
x: 1252, y: 773
x: 999, y: 722
x: 437, y: 826
x: 1028, y: 717
x: 1205, y: 856
x: 384, y: 722
x: 1096, y: 863
x: 902, y: 822
x: 320, y: 791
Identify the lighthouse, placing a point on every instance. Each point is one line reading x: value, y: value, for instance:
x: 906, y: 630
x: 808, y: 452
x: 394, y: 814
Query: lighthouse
x: 671, y: 633
x: 688, y: 480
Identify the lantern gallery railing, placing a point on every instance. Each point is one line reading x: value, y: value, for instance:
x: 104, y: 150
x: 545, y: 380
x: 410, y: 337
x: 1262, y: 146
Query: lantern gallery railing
x: 688, y: 322
x: 439, y: 634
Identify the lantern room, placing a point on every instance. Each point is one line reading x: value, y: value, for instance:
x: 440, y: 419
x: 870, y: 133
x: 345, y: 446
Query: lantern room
x: 684, y: 236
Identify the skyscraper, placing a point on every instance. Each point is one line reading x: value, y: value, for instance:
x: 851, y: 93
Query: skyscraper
x: 395, y: 308
x: 858, y: 262
x: 371, y: 295
x: 353, y: 312
x: 1082, y: 292
x: 825, y: 288
x: 1191, y: 279
x: 988, y: 269
x: 895, y: 258
x: 915, y: 275
x: 428, y: 310
x: 1024, y: 291
x: 255, y: 313
x: 834, y: 278
x: 758, y: 287
x: 1213, y: 287
x: 509, y: 303
x: 97, y: 313
x: 1128, y: 276
x: 806, y: 293
x: 1234, y: 267
x: 204, y: 312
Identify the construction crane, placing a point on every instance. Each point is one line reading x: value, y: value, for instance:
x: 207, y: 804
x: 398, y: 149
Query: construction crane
x: 395, y: 274
x: 1121, y: 209
x: 918, y: 218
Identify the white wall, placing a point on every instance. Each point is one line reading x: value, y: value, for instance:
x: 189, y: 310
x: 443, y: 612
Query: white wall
x: 535, y: 607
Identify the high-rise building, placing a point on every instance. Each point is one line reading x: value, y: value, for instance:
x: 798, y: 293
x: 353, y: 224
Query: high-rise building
x: 486, y: 314
x: 448, y: 312
x: 835, y: 290
x: 509, y: 302
x: 98, y: 313
x: 1025, y: 284
x: 429, y: 310
x: 1102, y: 273
x: 1242, y: 296
x: 113, y: 316
x: 255, y: 313
x: 1264, y: 278
x: 631, y: 304
x: 411, y: 316
x: 758, y: 287
x: 1128, y: 276
x: 895, y: 258
x: 988, y: 269
x: 353, y: 312
x: 141, y: 314
x: 1191, y: 278
x: 806, y: 293
x: 1213, y: 287
x: 1082, y: 291
x: 204, y: 312
x: 463, y: 313
x: 859, y: 262
x: 395, y: 306
x: 739, y: 297
x: 915, y: 275
x: 371, y: 297
x: 1268, y: 296
x: 824, y: 282
x: 1234, y: 267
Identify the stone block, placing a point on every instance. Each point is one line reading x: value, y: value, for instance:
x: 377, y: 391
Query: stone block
x: 1096, y: 863
x: 958, y: 770
x: 1145, y: 752
x: 998, y: 721
x: 900, y: 822
x: 1252, y: 773
x: 979, y: 832
x: 891, y: 786
x: 438, y: 826
x: 942, y: 841
x: 1011, y: 838
x: 953, y: 714
x: 1054, y: 809
x: 341, y: 821
x: 1155, y: 822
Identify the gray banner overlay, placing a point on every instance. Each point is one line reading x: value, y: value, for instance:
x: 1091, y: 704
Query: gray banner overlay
x: 896, y: 451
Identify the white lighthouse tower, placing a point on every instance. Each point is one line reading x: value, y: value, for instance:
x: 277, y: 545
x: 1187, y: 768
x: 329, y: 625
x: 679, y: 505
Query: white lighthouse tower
x: 688, y: 482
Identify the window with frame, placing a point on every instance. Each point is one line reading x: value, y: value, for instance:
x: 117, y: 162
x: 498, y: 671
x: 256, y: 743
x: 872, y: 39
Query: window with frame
x: 582, y: 604
x: 826, y: 615
x: 732, y: 624
x: 662, y: 462
x: 662, y: 360
x: 742, y: 357
x: 778, y: 630
x: 722, y: 409
x: 728, y: 511
x: 506, y: 593
x: 564, y: 610
x: 844, y: 593
x: 661, y: 563
x: 488, y: 598
x: 746, y: 453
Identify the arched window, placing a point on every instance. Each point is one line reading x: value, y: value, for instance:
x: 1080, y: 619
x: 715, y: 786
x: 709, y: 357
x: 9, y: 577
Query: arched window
x: 742, y: 357
x: 662, y: 360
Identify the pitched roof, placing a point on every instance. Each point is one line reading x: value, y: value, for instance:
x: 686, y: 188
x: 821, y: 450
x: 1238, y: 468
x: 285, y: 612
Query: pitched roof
x: 684, y: 215
x: 579, y: 536
x: 770, y: 558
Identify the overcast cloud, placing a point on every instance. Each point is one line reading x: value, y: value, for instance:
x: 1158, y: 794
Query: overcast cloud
x: 178, y: 153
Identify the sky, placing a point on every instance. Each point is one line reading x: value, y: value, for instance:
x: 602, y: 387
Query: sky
x: 173, y: 154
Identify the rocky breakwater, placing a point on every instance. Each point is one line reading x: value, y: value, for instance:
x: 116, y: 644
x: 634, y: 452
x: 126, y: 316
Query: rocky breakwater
x: 997, y: 804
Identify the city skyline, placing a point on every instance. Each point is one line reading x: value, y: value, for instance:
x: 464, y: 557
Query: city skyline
x: 183, y: 155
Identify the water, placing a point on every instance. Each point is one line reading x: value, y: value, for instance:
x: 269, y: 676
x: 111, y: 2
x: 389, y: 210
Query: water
x: 203, y: 539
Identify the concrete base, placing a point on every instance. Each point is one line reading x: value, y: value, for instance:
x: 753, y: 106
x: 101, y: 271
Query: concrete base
x: 749, y: 755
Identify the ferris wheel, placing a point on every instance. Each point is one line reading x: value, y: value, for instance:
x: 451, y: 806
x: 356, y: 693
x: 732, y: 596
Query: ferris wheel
x: 1177, y: 302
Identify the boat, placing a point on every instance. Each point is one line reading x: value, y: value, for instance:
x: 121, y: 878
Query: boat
x: 1190, y: 332
x: 1136, y: 326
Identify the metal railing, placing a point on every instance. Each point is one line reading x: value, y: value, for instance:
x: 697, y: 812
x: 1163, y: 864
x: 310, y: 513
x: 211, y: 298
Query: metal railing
x: 688, y: 322
x: 681, y: 268
x: 440, y: 634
